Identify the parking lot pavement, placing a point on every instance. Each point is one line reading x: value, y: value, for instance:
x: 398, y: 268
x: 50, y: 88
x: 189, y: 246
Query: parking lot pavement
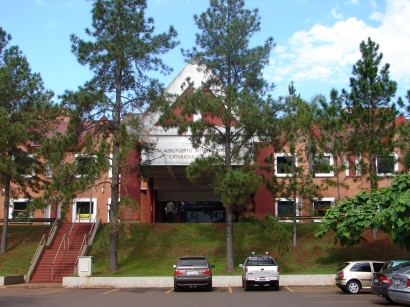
x: 312, y: 296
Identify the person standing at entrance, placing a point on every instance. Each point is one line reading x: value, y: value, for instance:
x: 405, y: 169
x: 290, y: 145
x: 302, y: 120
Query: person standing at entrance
x: 183, y: 212
x: 169, y: 211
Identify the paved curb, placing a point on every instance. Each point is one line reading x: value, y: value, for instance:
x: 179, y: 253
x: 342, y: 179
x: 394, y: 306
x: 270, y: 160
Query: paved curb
x: 168, y: 282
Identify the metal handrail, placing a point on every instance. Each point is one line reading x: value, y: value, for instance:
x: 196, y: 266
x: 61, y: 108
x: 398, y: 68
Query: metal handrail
x: 58, y: 251
x: 81, y: 247
x: 72, y: 226
x: 41, y: 243
x: 92, y: 226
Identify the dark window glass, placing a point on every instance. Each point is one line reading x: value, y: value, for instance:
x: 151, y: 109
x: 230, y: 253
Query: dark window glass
x: 83, y: 164
x: 361, y: 267
x: 385, y: 165
x: 193, y: 262
x: 377, y: 266
x: 83, y: 207
x: 284, y: 164
x: 285, y: 208
x: 322, y: 165
x: 321, y: 207
x: 19, y: 209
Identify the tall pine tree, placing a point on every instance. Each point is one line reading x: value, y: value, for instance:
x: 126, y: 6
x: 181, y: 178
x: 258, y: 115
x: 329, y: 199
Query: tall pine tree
x: 232, y: 103
x: 122, y: 53
x: 370, y: 113
x: 27, y: 115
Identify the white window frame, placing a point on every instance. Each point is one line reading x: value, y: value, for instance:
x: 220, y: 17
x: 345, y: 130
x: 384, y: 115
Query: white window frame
x: 49, y: 170
x: 396, y: 166
x: 357, y: 160
x: 331, y: 199
x: 109, y: 208
x: 86, y: 156
x: 75, y: 209
x: 286, y: 199
x: 110, y: 169
x: 331, y: 164
x: 276, y: 155
x: 17, y: 200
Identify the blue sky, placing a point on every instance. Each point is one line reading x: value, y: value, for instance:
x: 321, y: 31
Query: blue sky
x: 317, y: 41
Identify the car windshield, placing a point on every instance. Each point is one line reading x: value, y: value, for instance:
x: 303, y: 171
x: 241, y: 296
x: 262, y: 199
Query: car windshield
x: 390, y: 264
x: 253, y: 261
x: 402, y: 267
x: 193, y: 262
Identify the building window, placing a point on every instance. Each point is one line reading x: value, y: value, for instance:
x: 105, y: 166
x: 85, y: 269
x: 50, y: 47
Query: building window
x: 323, y: 165
x: 387, y: 166
x: 284, y: 164
x: 49, y: 170
x: 353, y: 167
x: 284, y: 207
x: 18, y: 209
x: 84, y: 209
x: 84, y: 163
x: 25, y: 165
x: 321, y: 205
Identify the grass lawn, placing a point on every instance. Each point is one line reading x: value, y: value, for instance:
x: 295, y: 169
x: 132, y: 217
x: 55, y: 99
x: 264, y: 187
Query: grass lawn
x: 152, y: 249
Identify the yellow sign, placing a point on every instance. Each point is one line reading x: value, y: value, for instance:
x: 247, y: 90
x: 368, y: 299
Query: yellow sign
x: 84, y: 216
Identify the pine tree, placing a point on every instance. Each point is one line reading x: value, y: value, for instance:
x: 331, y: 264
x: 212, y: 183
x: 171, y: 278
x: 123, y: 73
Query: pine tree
x: 232, y: 103
x: 122, y: 53
x: 27, y: 115
x: 332, y: 134
x: 294, y: 169
x: 370, y: 114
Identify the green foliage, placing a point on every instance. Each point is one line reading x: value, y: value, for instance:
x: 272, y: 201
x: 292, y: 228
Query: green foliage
x: 371, y: 115
x: 122, y: 53
x: 387, y: 209
x: 27, y: 117
x: 232, y: 101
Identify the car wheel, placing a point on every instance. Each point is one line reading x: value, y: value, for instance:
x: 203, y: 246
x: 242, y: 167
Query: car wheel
x: 247, y: 286
x: 276, y: 286
x: 209, y: 287
x: 353, y: 287
x: 176, y: 287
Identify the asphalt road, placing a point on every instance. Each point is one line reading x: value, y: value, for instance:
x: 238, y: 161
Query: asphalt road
x: 157, y: 297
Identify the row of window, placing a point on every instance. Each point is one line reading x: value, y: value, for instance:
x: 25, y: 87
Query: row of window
x: 83, y: 164
x: 324, y: 166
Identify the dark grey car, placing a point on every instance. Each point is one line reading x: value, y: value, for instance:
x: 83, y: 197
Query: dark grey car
x: 193, y: 271
x: 399, y: 291
x: 382, y: 280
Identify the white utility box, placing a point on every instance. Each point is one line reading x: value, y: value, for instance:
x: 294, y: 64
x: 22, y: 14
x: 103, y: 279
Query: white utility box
x: 85, y: 266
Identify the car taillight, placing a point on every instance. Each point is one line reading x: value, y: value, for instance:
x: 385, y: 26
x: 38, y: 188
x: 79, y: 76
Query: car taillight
x: 408, y: 283
x: 246, y: 269
x: 342, y: 274
x: 384, y: 279
x: 278, y: 269
x: 206, y: 272
x: 178, y: 272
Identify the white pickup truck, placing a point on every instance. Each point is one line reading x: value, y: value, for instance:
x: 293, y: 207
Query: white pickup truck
x: 261, y: 271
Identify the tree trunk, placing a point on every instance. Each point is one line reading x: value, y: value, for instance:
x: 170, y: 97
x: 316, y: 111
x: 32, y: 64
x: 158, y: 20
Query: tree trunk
x: 3, y: 247
x: 229, y: 240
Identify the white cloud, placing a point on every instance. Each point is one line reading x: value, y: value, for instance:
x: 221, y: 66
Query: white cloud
x: 327, y: 53
x: 335, y: 14
x: 354, y: 2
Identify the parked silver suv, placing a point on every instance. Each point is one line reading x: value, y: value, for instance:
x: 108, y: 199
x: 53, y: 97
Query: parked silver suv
x: 192, y: 271
x: 355, y: 275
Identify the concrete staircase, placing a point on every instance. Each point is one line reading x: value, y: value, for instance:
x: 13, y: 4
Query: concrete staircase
x: 69, y: 249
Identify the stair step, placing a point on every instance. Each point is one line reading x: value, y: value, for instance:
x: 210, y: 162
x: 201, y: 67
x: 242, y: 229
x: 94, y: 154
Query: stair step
x: 65, y: 261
